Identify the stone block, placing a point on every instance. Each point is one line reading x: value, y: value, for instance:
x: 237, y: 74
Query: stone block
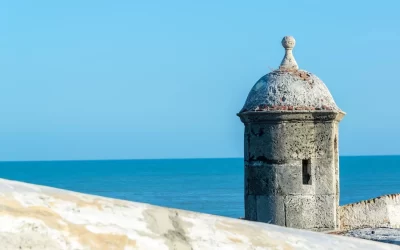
x: 270, y: 209
x: 250, y: 207
x: 260, y: 180
x: 262, y: 141
x: 325, y: 176
x: 314, y: 212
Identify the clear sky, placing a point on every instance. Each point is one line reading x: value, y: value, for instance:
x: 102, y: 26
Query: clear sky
x: 164, y: 79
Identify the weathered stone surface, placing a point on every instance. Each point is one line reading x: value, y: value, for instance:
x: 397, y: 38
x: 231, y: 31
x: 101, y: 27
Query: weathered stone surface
x: 297, y: 88
x: 383, y: 211
x: 317, y: 212
x: 292, y: 156
x: 277, y: 148
x: 386, y: 235
x: 271, y: 209
x: 286, y: 140
x: 250, y: 207
x: 289, y: 88
x: 261, y: 179
x: 42, y: 218
x: 291, y: 148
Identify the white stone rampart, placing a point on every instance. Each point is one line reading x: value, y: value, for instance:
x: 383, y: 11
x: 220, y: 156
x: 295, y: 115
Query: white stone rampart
x: 37, y: 217
x: 383, y: 211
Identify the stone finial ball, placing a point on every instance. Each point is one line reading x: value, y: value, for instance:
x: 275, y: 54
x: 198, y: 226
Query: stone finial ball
x: 288, y: 42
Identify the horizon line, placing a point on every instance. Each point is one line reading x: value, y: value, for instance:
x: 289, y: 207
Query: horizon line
x: 158, y: 159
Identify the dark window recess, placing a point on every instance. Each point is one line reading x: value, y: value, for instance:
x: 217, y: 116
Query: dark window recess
x: 306, y: 172
x: 335, y: 145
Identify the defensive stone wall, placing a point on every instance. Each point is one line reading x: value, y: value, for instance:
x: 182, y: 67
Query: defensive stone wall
x: 36, y: 217
x: 383, y: 211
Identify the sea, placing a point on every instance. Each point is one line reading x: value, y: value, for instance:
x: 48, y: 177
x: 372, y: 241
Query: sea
x: 213, y: 186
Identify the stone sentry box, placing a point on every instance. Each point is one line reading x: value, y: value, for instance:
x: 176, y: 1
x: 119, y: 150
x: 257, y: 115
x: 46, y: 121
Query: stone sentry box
x: 291, y: 149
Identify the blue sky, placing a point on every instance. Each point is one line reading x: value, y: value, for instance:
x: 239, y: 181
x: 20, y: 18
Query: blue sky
x: 164, y: 79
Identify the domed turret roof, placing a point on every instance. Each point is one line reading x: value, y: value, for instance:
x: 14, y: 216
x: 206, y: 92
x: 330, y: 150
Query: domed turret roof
x: 289, y: 88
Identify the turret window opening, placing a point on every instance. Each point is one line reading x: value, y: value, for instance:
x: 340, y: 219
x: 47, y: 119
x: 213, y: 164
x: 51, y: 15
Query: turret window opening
x: 306, y: 164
